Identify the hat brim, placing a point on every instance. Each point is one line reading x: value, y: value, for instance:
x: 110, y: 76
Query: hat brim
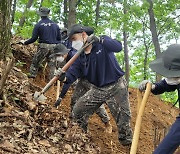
x: 59, y: 53
x: 86, y: 29
x: 158, y: 66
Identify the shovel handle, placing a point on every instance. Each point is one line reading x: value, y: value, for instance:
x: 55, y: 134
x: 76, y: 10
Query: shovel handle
x: 139, y: 119
x: 58, y: 89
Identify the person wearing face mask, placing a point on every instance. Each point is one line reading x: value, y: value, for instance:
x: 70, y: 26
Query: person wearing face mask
x: 99, y: 69
x: 168, y: 65
x: 82, y: 86
x: 57, y: 58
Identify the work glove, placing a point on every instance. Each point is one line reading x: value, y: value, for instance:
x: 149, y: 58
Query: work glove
x: 61, y: 74
x: 142, y: 85
x: 21, y: 42
x: 58, y: 102
x: 93, y: 37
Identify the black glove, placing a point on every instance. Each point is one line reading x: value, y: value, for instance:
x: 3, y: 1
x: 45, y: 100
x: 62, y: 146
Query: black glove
x: 62, y: 77
x: 93, y: 37
x: 58, y: 102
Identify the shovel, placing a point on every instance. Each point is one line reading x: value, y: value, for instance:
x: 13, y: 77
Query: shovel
x: 141, y: 106
x: 39, y: 96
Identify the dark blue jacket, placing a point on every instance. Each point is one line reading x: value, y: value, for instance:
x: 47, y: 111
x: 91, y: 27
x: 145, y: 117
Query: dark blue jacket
x: 100, y: 67
x: 162, y: 87
x: 46, y: 31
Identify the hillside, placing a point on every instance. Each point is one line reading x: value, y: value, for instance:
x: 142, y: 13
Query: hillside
x: 31, y: 127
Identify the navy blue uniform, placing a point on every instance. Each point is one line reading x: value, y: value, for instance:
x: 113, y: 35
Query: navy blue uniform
x: 105, y: 82
x: 46, y: 31
x: 48, y: 34
x: 100, y: 67
x: 172, y: 140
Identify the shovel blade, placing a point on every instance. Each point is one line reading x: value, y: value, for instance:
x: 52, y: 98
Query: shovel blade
x: 39, y: 97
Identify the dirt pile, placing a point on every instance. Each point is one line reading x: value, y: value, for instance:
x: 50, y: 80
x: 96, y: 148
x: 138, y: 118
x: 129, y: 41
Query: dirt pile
x: 33, y: 127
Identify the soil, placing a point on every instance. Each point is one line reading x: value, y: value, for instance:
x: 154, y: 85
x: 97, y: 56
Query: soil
x: 158, y: 117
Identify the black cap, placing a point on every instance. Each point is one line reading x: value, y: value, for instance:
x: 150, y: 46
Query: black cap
x: 43, y: 11
x: 77, y: 28
x: 59, y: 49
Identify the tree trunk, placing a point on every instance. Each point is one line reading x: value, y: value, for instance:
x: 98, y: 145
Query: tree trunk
x: 41, y: 3
x: 23, y: 18
x: 5, y: 26
x: 72, y: 13
x: 154, y: 33
x: 126, y: 56
x: 97, y: 12
x: 65, y: 14
x: 146, y: 53
x: 13, y: 11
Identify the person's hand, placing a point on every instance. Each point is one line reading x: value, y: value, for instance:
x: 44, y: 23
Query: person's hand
x: 92, y: 37
x: 58, y: 102
x: 61, y: 74
x: 21, y: 42
x: 142, y: 85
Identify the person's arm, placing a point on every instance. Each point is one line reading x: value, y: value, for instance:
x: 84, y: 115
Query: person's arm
x: 64, y: 89
x: 58, y: 33
x: 34, y: 36
x: 162, y: 86
x: 111, y: 45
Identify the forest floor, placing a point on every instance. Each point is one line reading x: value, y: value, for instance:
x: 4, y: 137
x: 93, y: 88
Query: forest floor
x: 32, y: 127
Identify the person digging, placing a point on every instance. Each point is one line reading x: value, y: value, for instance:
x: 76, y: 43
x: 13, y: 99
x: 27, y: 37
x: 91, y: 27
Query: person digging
x: 81, y: 87
x: 168, y: 65
x: 99, y: 68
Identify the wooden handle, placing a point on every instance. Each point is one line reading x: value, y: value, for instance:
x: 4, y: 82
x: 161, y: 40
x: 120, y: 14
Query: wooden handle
x: 58, y: 89
x: 139, y: 119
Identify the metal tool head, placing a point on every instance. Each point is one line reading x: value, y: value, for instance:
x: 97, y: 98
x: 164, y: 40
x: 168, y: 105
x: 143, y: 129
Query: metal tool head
x: 38, y: 96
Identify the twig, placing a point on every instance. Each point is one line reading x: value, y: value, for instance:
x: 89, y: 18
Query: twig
x: 5, y: 74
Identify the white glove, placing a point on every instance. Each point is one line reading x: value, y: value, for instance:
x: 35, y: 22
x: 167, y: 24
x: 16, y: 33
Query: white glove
x: 22, y: 41
x: 93, y: 37
x: 58, y: 72
x: 142, y: 85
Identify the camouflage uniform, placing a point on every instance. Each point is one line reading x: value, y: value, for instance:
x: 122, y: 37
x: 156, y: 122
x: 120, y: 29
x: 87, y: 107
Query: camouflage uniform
x: 81, y: 88
x: 43, y: 52
x: 116, y: 97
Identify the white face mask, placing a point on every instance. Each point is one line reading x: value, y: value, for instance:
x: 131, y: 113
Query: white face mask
x: 60, y: 59
x: 77, y: 44
x: 172, y: 81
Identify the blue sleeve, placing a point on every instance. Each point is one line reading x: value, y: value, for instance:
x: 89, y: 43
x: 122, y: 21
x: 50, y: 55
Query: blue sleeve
x: 58, y: 33
x: 64, y: 89
x: 34, y: 35
x: 162, y: 87
x: 111, y: 45
x: 74, y: 72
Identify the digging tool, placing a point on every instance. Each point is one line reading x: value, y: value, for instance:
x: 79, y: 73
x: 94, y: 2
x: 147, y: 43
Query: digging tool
x: 39, y: 96
x: 139, y: 118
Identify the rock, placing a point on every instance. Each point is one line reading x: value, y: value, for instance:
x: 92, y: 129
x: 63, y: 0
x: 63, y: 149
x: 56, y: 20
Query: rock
x: 68, y: 148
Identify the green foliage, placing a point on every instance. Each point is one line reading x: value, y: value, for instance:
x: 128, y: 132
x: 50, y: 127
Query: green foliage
x: 20, y: 63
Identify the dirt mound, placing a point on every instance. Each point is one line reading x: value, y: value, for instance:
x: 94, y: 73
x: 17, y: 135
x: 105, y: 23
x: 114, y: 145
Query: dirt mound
x: 31, y: 127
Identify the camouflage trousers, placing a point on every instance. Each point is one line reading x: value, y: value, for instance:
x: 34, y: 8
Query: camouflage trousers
x: 81, y: 88
x: 116, y: 97
x: 43, y: 52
